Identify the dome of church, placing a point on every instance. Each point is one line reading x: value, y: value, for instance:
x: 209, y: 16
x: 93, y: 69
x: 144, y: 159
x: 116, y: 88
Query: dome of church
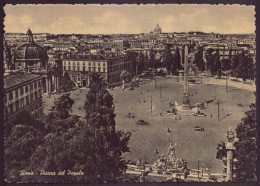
x: 30, y: 51
x: 157, y: 29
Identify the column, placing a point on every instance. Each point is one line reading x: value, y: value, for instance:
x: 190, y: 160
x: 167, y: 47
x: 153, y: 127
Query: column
x: 58, y: 84
x: 229, y: 164
x: 230, y: 150
x: 47, y: 86
x: 55, y: 83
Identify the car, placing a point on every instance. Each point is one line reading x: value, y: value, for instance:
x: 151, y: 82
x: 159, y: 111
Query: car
x: 129, y: 115
x: 198, y: 128
x: 141, y: 122
x: 131, y: 88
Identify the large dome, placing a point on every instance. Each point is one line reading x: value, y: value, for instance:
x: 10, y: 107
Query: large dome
x: 157, y: 29
x: 30, y: 51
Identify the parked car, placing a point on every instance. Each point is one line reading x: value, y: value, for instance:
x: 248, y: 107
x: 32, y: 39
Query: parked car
x: 198, y: 128
x: 141, y: 122
x: 129, y: 115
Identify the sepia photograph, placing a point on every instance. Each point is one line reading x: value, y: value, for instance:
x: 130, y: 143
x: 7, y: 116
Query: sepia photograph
x: 129, y: 93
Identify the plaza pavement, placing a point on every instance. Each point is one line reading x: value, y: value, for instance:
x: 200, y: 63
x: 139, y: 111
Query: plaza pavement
x: 191, y: 145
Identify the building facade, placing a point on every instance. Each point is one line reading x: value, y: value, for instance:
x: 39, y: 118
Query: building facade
x: 80, y: 68
x: 23, y: 92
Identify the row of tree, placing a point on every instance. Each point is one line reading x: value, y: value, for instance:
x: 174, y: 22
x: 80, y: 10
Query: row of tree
x: 169, y: 60
x: 239, y: 65
x: 89, y: 144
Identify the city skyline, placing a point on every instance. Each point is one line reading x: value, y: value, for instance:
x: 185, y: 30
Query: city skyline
x: 129, y: 19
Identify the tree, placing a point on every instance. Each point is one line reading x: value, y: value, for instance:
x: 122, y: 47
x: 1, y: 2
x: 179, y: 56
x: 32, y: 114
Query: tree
x: 109, y: 143
x: 169, y: 61
x: 151, y: 59
x: 245, y: 68
x: 246, y: 147
x: 216, y: 64
x: 62, y: 107
x: 234, y: 65
x: 199, y: 59
x: 125, y: 76
x: 140, y: 64
x: 225, y: 64
x: 66, y: 84
x: 132, y: 56
x: 19, y: 147
x: 209, y: 58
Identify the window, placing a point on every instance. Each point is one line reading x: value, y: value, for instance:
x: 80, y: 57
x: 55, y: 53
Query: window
x: 39, y: 83
x: 21, y: 91
x: 69, y: 67
x: 27, y: 100
x: 40, y: 93
x: 78, y: 68
x: 104, y: 64
x: 10, y: 96
x: 22, y: 102
x: 16, y: 93
x: 89, y: 69
x: 31, y: 87
x: 35, y: 94
x: 17, y: 105
x: 98, y: 64
x: 31, y: 98
x: 11, y: 108
x: 73, y: 68
x: 35, y: 85
x: 94, y: 69
x: 99, y: 69
x: 64, y: 67
x: 26, y: 89
x: 104, y: 69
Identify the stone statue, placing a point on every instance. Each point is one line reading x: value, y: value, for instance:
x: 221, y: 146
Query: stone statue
x: 171, y: 153
x: 230, y: 136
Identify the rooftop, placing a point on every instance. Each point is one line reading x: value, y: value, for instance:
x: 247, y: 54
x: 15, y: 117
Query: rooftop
x: 19, y: 78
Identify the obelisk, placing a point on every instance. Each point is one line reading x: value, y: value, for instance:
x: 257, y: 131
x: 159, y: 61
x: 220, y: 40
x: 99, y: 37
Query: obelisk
x: 186, y: 96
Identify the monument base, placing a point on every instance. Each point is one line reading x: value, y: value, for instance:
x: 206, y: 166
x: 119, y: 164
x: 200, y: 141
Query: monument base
x: 185, y: 110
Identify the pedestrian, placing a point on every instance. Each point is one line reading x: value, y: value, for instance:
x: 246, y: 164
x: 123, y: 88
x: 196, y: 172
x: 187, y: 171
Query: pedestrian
x: 211, y: 115
x: 144, y: 101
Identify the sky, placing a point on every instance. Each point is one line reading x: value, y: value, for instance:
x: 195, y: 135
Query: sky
x: 129, y: 19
